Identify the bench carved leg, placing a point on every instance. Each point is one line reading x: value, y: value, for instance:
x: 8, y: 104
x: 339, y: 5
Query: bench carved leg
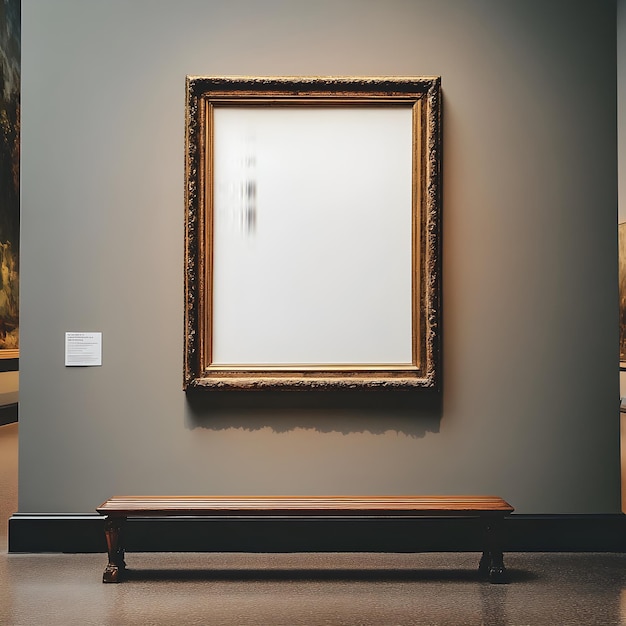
x: 113, y: 531
x: 491, y: 564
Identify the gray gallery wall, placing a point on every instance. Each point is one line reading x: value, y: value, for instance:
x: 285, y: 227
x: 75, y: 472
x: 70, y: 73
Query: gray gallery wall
x: 529, y: 409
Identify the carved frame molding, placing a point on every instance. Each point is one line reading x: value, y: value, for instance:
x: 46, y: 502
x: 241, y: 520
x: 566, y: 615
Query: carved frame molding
x: 425, y: 371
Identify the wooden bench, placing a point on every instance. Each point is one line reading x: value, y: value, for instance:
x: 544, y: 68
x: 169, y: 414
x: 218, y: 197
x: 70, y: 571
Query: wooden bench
x: 490, y: 510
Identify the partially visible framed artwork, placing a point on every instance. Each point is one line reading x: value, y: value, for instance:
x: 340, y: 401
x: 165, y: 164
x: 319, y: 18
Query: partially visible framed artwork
x: 313, y: 217
x: 622, y: 295
x: 10, y: 61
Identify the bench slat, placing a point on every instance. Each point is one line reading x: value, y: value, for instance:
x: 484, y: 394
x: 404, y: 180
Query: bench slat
x: 300, y: 505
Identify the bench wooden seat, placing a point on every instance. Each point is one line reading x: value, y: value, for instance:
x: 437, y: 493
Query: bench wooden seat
x: 490, y: 509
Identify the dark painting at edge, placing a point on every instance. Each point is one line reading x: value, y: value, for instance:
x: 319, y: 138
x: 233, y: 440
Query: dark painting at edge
x: 622, y: 294
x: 10, y: 73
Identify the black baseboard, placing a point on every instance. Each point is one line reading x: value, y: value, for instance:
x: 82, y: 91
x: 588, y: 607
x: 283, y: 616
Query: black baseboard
x: 9, y: 365
x: 8, y: 414
x: 522, y: 533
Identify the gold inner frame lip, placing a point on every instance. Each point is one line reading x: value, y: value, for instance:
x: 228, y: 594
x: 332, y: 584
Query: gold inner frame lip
x: 312, y: 367
x: 323, y: 100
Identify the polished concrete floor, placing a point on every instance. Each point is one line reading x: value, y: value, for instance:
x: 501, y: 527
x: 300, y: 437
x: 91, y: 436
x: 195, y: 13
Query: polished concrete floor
x: 293, y: 589
x: 275, y: 589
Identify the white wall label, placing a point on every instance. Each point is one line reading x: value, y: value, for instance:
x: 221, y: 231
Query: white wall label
x: 83, y: 349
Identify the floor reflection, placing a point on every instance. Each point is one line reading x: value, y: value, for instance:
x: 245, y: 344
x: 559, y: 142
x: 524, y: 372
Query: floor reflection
x: 294, y: 589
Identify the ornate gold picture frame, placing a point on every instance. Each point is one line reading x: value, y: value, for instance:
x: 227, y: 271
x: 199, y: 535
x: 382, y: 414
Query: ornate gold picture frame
x: 312, y: 247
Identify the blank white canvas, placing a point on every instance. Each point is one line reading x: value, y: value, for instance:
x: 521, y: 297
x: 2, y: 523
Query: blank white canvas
x: 312, y: 235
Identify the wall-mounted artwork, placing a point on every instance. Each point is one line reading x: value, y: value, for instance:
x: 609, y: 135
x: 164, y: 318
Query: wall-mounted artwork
x: 622, y: 294
x: 312, y: 232
x: 10, y: 37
